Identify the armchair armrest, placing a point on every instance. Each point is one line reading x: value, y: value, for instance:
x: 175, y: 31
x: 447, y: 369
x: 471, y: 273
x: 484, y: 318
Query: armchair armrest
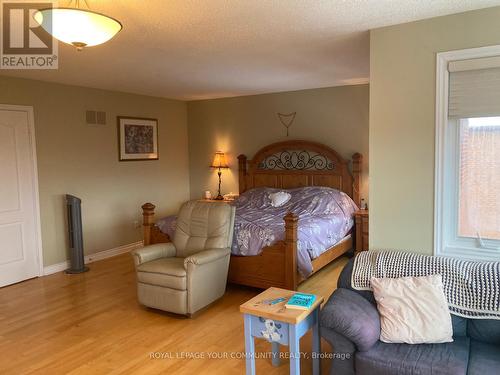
x: 152, y: 252
x: 206, y: 276
x: 206, y: 256
x: 352, y: 316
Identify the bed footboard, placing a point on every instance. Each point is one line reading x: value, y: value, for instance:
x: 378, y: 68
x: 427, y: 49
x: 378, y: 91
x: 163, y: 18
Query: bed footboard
x: 275, y: 266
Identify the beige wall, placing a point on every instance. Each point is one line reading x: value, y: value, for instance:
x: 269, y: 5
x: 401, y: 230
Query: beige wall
x: 402, y: 109
x: 82, y: 160
x: 337, y: 117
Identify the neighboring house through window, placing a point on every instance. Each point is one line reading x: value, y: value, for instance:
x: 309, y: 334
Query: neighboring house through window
x: 467, y: 189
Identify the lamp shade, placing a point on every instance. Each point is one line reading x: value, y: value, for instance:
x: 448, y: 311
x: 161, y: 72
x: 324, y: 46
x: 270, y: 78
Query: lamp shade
x: 78, y: 27
x: 219, y: 160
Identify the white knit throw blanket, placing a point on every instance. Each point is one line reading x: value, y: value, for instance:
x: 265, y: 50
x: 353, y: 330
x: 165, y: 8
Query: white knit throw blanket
x: 472, y: 288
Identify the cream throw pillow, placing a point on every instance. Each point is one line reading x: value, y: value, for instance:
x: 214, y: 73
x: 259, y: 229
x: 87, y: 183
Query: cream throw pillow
x: 413, y: 310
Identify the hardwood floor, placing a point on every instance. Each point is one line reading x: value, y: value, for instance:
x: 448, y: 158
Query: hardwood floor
x: 92, y: 324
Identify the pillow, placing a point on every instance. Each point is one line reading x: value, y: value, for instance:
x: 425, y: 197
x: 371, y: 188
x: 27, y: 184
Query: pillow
x: 413, y: 310
x: 280, y: 198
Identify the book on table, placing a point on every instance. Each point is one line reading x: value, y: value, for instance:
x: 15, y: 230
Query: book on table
x: 300, y: 301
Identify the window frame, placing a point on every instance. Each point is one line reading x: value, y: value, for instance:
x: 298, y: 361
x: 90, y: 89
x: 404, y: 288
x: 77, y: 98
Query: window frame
x: 447, y: 164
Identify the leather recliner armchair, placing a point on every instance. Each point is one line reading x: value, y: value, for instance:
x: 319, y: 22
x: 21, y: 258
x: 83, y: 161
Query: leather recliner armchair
x: 189, y: 273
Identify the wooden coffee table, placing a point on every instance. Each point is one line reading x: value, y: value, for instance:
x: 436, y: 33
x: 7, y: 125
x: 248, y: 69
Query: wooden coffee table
x: 280, y: 325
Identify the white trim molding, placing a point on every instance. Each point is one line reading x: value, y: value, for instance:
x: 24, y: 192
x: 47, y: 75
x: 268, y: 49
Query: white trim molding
x: 59, y: 267
x: 54, y: 268
x: 442, y: 165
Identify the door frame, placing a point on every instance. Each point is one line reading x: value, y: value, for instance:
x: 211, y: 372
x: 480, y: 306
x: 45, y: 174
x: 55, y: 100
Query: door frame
x: 34, y: 174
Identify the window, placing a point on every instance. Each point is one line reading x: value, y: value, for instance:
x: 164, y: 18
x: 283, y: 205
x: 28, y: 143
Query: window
x: 479, y: 178
x: 467, y: 190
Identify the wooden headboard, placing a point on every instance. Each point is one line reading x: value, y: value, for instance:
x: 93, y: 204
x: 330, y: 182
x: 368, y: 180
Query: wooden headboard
x: 291, y: 164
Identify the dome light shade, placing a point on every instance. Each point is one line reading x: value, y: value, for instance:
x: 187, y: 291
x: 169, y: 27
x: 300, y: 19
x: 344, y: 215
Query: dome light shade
x: 78, y: 27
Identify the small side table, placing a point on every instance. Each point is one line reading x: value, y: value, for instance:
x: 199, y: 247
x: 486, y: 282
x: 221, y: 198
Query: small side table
x: 361, y: 219
x: 280, y: 325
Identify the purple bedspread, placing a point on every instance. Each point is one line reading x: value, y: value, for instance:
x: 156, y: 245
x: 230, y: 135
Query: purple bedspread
x: 325, y: 218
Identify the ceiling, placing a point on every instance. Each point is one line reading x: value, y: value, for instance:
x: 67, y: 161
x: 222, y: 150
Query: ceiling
x: 201, y: 49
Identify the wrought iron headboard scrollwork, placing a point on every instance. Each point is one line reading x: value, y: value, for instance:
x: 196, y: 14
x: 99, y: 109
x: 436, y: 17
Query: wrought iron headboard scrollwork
x: 299, y: 160
x: 291, y: 164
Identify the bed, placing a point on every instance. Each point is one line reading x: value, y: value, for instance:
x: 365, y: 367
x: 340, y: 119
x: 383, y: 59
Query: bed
x: 283, y: 166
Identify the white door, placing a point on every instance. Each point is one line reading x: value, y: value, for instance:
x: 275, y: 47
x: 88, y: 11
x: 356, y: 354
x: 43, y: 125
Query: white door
x: 19, y: 213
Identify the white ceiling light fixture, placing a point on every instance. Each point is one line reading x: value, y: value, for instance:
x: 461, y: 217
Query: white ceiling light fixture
x: 76, y: 26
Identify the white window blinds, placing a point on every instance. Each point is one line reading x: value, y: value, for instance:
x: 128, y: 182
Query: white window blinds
x: 474, y: 88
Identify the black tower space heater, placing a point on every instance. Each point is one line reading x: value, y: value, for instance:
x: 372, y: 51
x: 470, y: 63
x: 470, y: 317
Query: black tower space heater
x: 77, y: 261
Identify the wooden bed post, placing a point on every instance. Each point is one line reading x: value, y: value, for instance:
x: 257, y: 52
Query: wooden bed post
x: 242, y: 172
x: 148, y: 212
x: 291, y: 250
x: 357, y: 160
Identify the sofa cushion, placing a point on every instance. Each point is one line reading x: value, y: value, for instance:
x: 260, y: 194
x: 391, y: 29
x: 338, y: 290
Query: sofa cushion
x: 484, y: 330
x: 459, y: 325
x: 404, y: 359
x: 165, y: 272
x: 484, y: 359
x: 354, y: 317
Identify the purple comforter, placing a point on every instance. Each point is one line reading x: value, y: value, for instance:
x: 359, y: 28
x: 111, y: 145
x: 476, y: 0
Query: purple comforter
x: 325, y: 218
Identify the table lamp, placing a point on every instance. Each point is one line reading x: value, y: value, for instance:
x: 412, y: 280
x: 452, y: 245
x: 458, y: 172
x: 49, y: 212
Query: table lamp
x: 219, y: 163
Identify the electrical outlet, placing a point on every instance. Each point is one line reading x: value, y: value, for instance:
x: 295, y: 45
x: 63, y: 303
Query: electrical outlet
x: 136, y: 224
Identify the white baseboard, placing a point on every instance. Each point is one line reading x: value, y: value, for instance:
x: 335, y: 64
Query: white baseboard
x: 58, y: 267
x: 54, y: 268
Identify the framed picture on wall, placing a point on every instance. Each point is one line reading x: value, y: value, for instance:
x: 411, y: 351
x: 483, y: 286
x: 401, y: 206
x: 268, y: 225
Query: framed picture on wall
x: 137, y: 138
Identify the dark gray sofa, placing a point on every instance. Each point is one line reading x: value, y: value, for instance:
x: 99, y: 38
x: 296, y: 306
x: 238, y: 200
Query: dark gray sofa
x: 350, y: 323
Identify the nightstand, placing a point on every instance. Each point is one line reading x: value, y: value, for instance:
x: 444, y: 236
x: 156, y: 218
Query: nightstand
x: 216, y: 200
x: 361, y: 220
